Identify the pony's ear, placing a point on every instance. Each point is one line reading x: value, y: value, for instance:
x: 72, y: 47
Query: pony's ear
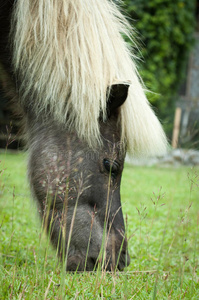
x: 117, y: 96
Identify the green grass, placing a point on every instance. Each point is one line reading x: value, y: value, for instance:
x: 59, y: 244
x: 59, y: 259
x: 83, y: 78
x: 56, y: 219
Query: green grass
x: 161, y: 206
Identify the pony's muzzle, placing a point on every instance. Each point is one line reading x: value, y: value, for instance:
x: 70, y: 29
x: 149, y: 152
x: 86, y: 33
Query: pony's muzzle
x: 77, y: 263
x: 80, y: 264
x: 124, y: 260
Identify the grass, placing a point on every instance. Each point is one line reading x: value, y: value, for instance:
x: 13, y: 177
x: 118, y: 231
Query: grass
x: 161, y: 206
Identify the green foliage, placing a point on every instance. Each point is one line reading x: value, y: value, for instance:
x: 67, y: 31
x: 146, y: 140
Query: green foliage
x: 165, y: 28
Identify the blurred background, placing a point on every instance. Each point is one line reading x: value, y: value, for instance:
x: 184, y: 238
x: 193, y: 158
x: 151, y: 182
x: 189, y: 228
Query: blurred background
x: 168, y: 42
x: 167, y: 39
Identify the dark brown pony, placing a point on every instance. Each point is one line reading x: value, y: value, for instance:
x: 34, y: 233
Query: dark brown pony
x: 66, y: 66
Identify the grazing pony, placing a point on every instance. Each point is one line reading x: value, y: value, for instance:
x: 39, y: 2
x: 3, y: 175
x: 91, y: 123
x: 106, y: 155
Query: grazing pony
x: 73, y: 77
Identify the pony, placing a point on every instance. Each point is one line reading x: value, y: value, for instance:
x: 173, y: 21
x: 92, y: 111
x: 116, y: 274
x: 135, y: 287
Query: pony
x: 67, y: 68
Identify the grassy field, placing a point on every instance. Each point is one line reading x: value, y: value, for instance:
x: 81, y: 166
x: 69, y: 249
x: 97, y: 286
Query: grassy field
x: 161, y: 206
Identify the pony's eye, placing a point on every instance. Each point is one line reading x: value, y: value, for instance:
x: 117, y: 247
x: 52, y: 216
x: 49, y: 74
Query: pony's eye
x: 111, y: 167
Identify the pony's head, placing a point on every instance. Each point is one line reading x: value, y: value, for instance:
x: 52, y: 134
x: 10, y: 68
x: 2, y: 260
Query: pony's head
x: 73, y: 71
x: 78, y: 189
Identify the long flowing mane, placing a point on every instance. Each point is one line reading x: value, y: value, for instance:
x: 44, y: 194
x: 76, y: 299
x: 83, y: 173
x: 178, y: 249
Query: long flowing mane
x: 66, y: 54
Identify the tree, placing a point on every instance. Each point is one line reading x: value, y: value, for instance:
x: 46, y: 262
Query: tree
x: 165, y: 37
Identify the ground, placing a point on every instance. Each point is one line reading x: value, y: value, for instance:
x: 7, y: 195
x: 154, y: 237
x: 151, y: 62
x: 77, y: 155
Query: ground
x: 161, y: 211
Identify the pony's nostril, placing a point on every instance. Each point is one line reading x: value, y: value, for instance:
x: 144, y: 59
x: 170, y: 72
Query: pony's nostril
x: 74, y: 264
x: 91, y: 263
x: 77, y: 263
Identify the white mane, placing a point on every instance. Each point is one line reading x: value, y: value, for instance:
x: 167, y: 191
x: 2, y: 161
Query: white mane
x: 66, y: 54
